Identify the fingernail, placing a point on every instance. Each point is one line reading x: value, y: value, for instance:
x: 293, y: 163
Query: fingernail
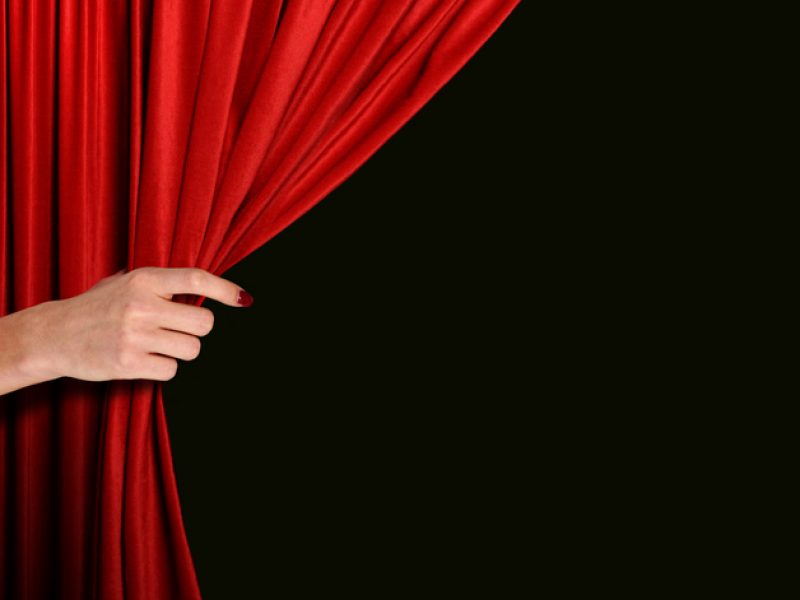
x: 245, y: 299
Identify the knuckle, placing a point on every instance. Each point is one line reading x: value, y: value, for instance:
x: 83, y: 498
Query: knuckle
x: 126, y: 359
x: 140, y: 277
x: 133, y: 310
x: 126, y: 340
x: 196, y: 278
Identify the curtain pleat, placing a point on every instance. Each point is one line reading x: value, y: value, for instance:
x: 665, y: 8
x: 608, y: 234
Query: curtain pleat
x: 33, y: 229
x: 169, y: 133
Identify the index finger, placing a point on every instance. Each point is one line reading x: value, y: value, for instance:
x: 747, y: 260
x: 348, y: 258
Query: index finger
x: 171, y: 281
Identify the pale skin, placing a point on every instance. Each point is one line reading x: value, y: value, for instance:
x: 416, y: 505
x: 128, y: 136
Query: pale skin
x: 125, y: 327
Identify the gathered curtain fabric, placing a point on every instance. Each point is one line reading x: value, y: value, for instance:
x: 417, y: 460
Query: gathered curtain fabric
x: 182, y: 133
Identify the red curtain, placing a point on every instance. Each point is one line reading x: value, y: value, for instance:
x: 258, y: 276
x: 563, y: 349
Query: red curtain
x: 169, y: 133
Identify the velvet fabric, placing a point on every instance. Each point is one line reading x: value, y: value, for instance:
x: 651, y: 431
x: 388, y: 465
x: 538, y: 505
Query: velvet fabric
x: 169, y: 133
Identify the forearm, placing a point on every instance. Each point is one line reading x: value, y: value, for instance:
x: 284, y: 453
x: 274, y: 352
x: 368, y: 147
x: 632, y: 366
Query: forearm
x: 22, y: 339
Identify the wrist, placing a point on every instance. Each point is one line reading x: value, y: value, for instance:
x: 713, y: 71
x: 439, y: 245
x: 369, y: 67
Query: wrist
x: 36, y: 343
x: 27, y: 343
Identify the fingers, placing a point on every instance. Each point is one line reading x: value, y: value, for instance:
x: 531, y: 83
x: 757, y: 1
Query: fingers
x: 155, y: 354
x: 173, y: 344
x: 156, y: 332
x: 169, y: 282
x: 195, y: 320
x: 160, y: 368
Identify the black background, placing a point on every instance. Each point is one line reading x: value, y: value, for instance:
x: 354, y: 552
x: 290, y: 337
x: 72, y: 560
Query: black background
x: 359, y: 423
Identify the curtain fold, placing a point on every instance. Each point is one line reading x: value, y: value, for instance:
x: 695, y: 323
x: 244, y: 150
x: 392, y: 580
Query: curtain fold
x: 169, y: 133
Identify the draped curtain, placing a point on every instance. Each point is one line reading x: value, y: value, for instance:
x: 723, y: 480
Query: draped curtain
x: 169, y: 133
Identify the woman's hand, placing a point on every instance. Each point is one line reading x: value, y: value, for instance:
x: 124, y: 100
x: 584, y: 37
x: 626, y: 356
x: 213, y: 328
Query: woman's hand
x: 125, y: 327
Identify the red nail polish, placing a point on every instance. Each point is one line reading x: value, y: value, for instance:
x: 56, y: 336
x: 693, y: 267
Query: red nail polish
x: 245, y: 299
